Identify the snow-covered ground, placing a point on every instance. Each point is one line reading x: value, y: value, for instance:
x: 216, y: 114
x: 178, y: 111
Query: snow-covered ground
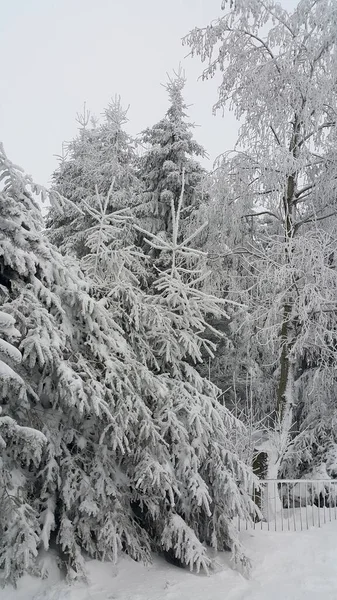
x: 286, y: 566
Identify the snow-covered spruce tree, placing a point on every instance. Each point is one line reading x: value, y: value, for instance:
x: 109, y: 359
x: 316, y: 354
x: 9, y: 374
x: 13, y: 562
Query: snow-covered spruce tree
x: 279, y: 74
x: 178, y: 291
x: 102, y: 153
x: 169, y: 148
x: 177, y: 452
x: 57, y: 479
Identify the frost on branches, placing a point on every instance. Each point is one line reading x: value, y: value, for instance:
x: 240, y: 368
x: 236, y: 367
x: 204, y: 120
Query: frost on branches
x: 279, y: 73
x: 111, y: 441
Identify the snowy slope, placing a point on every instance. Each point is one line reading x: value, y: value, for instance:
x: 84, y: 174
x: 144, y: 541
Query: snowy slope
x: 287, y: 566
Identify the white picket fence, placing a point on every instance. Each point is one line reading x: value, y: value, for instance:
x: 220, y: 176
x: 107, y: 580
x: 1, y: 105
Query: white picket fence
x: 293, y: 504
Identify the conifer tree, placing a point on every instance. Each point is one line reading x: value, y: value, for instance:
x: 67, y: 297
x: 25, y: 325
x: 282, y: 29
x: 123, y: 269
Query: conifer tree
x: 164, y: 325
x: 170, y: 148
x: 55, y: 399
x: 110, y: 439
x: 101, y: 157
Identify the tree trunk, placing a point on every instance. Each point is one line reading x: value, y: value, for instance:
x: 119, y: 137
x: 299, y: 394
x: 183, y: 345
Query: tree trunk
x: 284, y: 396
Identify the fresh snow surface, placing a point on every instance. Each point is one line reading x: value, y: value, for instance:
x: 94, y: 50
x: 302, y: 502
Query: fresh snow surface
x: 286, y: 566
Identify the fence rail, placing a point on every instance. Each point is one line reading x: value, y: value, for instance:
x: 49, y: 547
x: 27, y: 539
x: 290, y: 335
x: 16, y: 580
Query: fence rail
x: 292, y: 504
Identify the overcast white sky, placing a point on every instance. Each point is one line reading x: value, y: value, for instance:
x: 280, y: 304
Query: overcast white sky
x: 56, y: 54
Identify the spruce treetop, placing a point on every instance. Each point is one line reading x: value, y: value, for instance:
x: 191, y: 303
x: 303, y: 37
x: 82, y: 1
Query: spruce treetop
x: 100, y: 159
x: 170, y: 149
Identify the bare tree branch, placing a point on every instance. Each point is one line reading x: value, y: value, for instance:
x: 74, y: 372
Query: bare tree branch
x: 263, y: 212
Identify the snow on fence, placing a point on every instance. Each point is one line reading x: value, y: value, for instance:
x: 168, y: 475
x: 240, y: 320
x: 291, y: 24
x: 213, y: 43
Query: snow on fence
x: 293, y: 504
